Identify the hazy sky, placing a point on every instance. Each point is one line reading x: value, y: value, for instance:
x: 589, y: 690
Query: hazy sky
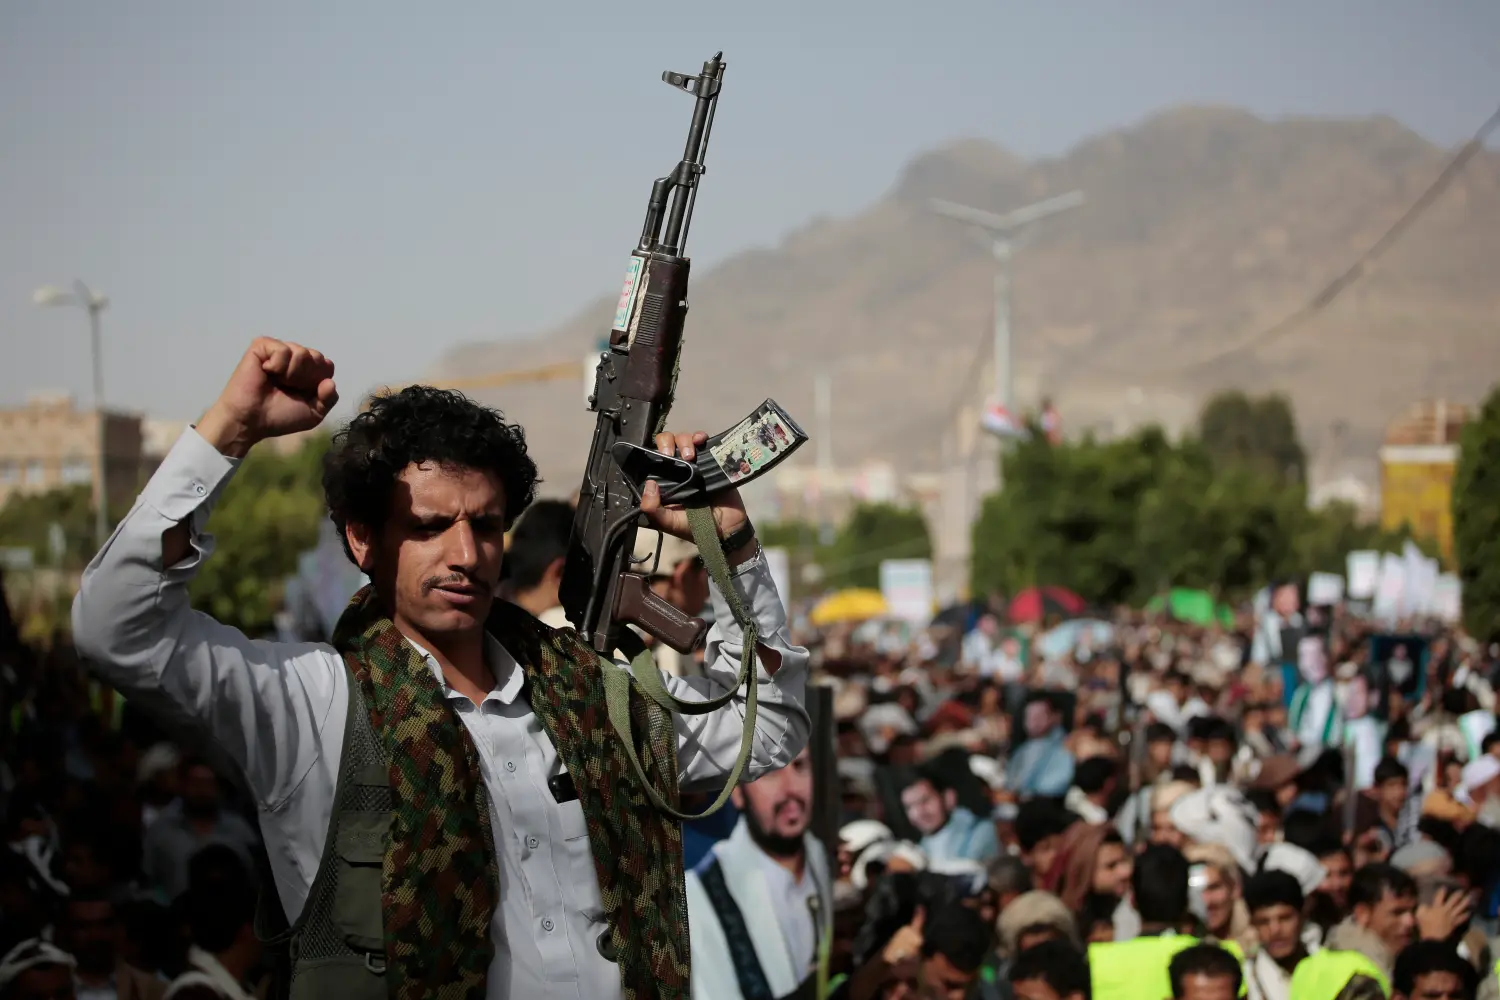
x: 384, y: 183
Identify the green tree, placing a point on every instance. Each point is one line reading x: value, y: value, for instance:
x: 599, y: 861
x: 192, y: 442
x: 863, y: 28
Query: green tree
x: 10, y: 635
x: 266, y: 518
x: 1259, y: 432
x: 791, y: 535
x: 871, y: 534
x: 1118, y: 522
x: 800, y: 540
x: 1228, y: 530
x: 1335, y: 530
x: 26, y: 522
x: 1067, y: 516
x: 1476, y: 520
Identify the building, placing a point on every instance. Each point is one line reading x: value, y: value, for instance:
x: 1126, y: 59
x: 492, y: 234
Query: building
x: 157, y: 438
x: 48, y: 444
x: 158, y: 435
x: 804, y: 493
x: 1416, y: 470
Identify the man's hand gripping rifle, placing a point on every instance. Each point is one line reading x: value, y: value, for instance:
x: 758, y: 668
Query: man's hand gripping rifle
x: 634, y: 386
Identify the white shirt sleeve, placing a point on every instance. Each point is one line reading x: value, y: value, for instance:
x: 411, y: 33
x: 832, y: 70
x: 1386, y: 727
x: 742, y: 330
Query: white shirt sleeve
x: 707, y: 745
x: 262, y: 703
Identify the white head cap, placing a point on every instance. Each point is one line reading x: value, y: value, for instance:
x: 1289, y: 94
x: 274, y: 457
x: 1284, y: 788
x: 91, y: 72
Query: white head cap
x: 1219, y: 815
x: 1477, y: 773
x: 160, y: 758
x: 1297, y: 862
x: 31, y: 954
x: 987, y: 770
x: 861, y: 833
x: 881, y: 853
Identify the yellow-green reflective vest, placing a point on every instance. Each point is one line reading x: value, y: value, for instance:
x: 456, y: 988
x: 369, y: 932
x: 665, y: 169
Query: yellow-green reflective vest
x: 1135, y: 969
x: 1324, y: 974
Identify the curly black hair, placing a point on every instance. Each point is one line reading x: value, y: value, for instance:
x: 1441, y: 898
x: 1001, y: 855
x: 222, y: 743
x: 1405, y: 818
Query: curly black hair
x: 420, y: 424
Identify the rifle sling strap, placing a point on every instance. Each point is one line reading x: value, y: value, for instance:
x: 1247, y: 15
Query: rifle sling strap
x: 647, y: 676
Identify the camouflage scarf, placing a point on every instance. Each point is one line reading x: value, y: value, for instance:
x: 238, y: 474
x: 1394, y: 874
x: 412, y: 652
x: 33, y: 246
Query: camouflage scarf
x: 440, y: 879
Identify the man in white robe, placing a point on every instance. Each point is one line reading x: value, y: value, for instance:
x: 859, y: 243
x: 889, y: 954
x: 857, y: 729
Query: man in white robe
x: 760, y: 903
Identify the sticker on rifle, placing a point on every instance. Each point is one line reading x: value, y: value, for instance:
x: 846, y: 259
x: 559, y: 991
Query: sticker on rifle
x: 753, y: 444
x: 627, y: 295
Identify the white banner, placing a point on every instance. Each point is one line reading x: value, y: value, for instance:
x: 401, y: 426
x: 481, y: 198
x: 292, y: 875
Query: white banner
x: 1325, y: 588
x: 1421, y: 578
x: 1364, y: 574
x: 1390, y: 587
x: 906, y: 585
x: 1448, y: 598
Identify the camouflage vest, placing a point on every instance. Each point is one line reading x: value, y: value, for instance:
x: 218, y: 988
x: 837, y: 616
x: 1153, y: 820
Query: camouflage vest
x: 402, y: 902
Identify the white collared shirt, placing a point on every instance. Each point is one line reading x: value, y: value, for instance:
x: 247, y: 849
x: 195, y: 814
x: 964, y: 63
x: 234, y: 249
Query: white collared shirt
x: 793, y: 911
x: 775, y: 907
x: 204, y: 969
x: 278, y: 711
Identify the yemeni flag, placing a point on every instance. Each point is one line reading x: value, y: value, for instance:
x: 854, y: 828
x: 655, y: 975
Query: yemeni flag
x: 998, y: 421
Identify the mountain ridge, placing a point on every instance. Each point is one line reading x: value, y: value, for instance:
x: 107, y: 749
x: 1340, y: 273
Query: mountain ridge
x: 1201, y: 226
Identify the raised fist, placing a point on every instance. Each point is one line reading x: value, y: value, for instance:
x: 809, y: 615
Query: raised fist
x: 277, y: 388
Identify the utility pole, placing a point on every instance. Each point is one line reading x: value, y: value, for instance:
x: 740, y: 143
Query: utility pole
x: 1005, y: 380
x: 1003, y: 234
x: 823, y: 407
x: 94, y: 303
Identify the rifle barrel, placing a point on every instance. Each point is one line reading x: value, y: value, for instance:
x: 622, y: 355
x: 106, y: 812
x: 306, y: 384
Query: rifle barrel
x: 688, y: 171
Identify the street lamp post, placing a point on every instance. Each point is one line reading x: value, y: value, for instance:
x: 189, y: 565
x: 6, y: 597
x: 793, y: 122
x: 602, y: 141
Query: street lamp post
x: 823, y: 407
x: 93, y: 303
x: 1003, y: 234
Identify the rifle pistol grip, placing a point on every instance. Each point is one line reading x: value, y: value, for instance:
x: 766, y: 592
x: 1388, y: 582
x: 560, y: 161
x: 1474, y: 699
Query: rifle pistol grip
x: 636, y: 604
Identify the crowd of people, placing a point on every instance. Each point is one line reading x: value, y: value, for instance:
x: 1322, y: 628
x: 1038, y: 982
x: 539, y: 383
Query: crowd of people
x: 129, y: 870
x: 1304, y: 805
x: 1311, y: 793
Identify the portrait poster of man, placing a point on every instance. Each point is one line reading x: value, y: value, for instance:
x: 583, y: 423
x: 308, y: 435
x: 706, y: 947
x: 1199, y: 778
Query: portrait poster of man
x: 756, y: 443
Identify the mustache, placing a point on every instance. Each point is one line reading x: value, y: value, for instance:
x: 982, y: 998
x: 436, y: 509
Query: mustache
x: 433, y: 583
x: 774, y: 844
x: 788, y: 801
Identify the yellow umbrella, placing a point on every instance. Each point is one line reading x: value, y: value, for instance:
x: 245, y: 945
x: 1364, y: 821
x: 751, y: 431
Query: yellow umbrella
x: 853, y: 605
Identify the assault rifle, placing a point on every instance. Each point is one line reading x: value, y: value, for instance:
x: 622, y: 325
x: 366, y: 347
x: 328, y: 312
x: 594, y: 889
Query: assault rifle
x: 634, y: 386
x: 602, y: 590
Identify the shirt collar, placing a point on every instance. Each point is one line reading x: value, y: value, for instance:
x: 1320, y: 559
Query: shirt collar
x: 510, y: 679
x: 211, y: 967
x: 770, y: 867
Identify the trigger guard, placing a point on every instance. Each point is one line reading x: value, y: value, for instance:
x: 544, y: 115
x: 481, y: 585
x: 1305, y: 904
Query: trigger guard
x: 677, y: 479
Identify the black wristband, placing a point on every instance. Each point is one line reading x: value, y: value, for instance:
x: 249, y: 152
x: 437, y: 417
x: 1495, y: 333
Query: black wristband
x: 738, y: 539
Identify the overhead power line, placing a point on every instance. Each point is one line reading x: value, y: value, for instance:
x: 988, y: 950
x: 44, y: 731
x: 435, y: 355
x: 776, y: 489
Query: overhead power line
x: 1355, y: 271
x: 971, y: 386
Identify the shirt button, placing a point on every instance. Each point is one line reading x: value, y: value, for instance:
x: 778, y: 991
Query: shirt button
x: 547, y: 924
x: 510, y: 765
x: 533, y: 843
x: 199, y: 488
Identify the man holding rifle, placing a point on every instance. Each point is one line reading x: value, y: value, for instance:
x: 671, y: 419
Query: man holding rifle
x: 447, y: 808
